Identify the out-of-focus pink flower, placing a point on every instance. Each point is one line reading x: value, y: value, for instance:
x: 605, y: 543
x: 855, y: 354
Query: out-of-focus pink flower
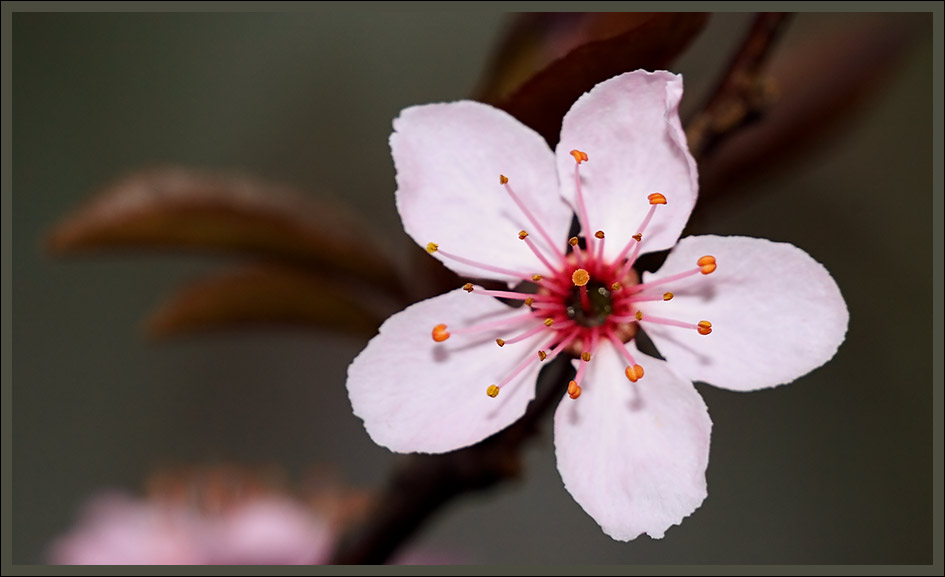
x: 117, y: 529
x: 487, y: 197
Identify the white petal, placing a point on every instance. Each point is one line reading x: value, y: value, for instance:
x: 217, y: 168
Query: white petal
x: 634, y: 455
x: 629, y: 127
x: 449, y: 158
x: 416, y: 395
x: 776, y: 313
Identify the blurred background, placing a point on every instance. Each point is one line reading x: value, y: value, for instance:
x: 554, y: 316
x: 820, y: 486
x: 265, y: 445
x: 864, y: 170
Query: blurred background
x: 834, y: 468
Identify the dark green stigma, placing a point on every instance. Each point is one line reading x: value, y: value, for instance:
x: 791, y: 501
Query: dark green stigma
x: 601, y: 305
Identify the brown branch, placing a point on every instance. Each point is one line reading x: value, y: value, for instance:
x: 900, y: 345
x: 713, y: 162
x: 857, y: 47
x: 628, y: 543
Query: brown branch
x: 743, y: 93
x: 423, y: 483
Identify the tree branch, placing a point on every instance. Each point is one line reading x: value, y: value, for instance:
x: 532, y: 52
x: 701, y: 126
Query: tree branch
x: 743, y: 93
x: 424, y: 483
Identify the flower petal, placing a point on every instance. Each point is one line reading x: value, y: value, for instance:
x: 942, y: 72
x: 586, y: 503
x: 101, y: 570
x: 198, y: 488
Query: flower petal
x: 629, y: 127
x: 776, y: 313
x: 416, y: 395
x: 634, y: 455
x: 449, y: 158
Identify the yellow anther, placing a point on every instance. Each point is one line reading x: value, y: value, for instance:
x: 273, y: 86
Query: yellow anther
x: 667, y: 296
x: 529, y: 301
x: 492, y: 391
x: 500, y: 342
x: 580, y: 277
x: 656, y: 198
x: 704, y: 327
x: 536, y: 277
x: 503, y: 179
x: 586, y: 357
x: 431, y: 247
x: 616, y: 286
x: 599, y: 234
x: 706, y: 264
x: 579, y: 156
x: 638, y: 315
x: 439, y: 333
x: 522, y: 234
x: 468, y: 287
x: 637, y: 237
x: 542, y: 355
x: 573, y: 241
x: 574, y: 390
x: 549, y: 321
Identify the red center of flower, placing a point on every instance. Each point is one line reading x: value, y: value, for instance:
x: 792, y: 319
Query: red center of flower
x: 581, y: 299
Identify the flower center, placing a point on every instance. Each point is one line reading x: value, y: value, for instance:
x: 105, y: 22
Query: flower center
x: 583, y: 300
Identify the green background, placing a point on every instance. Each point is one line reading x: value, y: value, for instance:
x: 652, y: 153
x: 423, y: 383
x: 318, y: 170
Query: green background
x: 835, y: 468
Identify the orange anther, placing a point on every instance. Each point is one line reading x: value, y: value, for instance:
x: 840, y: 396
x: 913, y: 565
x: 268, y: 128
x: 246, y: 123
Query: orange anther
x: 432, y: 247
x: 579, y: 156
x: 704, y: 327
x: 492, y: 391
x: 549, y: 321
x: 439, y: 333
x: 536, y: 277
x: 573, y: 241
x: 616, y: 286
x: 667, y: 296
x: 580, y: 277
x: 708, y: 268
x: 542, y: 355
x: 503, y: 179
x: 599, y: 234
x: 468, y: 287
x: 522, y: 234
x: 500, y: 342
x: 586, y: 357
x: 638, y: 315
x: 529, y: 301
x: 574, y: 390
x: 637, y: 237
x: 634, y: 373
x: 707, y: 259
x: 656, y: 198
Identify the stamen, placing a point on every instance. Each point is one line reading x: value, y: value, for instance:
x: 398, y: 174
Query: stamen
x: 599, y: 235
x: 468, y: 287
x: 512, y: 295
x: 542, y: 355
x: 580, y: 277
x: 616, y: 286
x: 580, y: 157
x: 549, y: 321
x: 433, y: 247
x: 500, y: 342
x: 574, y: 390
x: 529, y: 360
x: 637, y: 238
x: 639, y: 299
x: 439, y: 333
x: 492, y: 324
x: 706, y: 265
x: 586, y: 357
x: 576, y: 249
x: 531, y: 218
x: 523, y: 235
x: 703, y: 327
x: 574, y: 387
x: 492, y: 391
x: 632, y: 371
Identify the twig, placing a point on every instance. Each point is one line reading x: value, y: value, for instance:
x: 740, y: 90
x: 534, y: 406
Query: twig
x: 424, y: 483
x: 742, y: 94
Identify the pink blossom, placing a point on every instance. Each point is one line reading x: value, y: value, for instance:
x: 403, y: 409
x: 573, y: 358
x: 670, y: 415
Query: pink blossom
x: 117, y: 529
x: 487, y: 197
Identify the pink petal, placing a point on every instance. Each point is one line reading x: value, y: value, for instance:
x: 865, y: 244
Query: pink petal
x: 776, y: 313
x: 449, y: 158
x: 634, y: 455
x: 416, y: 395
x: 629, y: 127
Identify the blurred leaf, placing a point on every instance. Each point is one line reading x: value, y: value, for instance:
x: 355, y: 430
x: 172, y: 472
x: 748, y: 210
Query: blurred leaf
x: 260, y: 295
x: 179, y: 208
x: 820, y: 85
x: 548, y: 60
